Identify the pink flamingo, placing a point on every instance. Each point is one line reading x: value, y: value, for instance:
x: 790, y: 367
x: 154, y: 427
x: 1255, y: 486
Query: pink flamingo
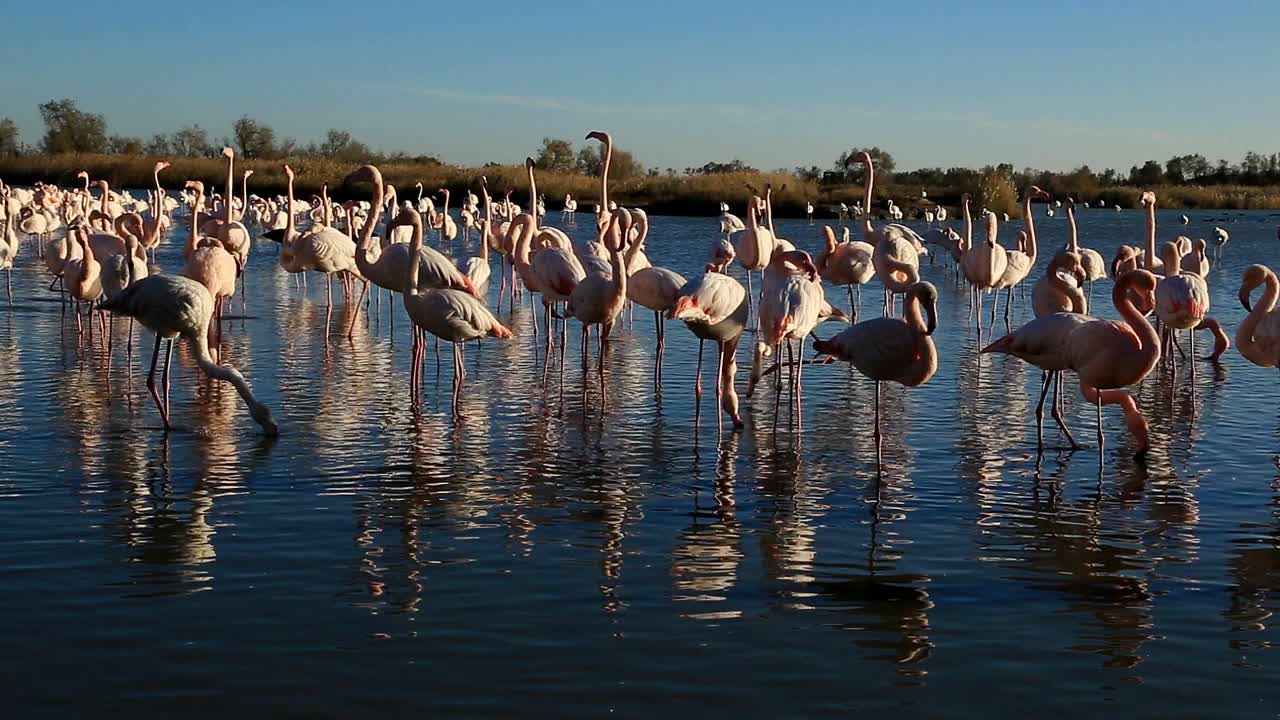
x: 1182, y: 303
x: 755, y: 247
x: 450, y: 315
x: 209, y: 264
x: 173, y: 306
x: 1020, y: 261
x: 790, y: 305
x: 892, y: 349
x: 599, y: 298
x: 715, y: 307
x: 985, y: 262
x: 1258, y: 337
x: 848, y: 264
x: 657, y: 289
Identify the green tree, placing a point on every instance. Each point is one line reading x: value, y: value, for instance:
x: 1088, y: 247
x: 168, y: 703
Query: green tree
x: 8, y: 137
x: 624, y: 165
x: 68, y: 129
x: 254, y: 140
x: 848, y: 164
x: 556, y: 155
x: 1149, y: 174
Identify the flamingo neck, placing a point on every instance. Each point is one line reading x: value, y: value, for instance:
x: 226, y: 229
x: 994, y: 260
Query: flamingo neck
x: 1148, y: 341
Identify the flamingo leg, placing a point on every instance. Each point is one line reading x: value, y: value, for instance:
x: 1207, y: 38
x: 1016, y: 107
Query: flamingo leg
x: 151, y: 384
x: 879, y: 438
x: 697, y: 382
x: 1044, y: 392
x: 168, y: 361
x: 1057, y: 410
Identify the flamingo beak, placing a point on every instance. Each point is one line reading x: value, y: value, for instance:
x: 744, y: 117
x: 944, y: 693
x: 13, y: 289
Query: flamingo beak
x: 1244, y: 299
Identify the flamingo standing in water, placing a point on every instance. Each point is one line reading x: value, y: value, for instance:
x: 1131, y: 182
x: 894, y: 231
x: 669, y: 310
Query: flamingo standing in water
x: 892, y: 349
x: 848, y: 263
x: 1095, y: 268
x: 1258, y: 337
x: 755, y: 247
x: 790, y: 307
x: 1182, y: 303
x: 451, y: 315
x: 895, y: 257
x: 1220, y: 238
x: 1020, y: 261
x: 656, y: 288
x: 173, y: 306
x: 599, y: 298
x: 715, y: 307
x: 984, y: 263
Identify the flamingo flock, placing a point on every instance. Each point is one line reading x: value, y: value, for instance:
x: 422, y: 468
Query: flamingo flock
x: 100, y: 254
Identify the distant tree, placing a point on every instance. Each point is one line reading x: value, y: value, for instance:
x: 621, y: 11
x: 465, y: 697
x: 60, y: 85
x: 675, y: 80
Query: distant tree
x: 813, y: 172
x: 121, y: 145
x: 68, y: 129
x: 623, y: 167
x: 847, y: 163
x: 190, y: 141
x: 254, y: 139
x: 717, y: 168
x: 8, y: 137
x: 339, y: 145
x: 1149, y: 174
x: 157, y: 145
x: 556, y: 155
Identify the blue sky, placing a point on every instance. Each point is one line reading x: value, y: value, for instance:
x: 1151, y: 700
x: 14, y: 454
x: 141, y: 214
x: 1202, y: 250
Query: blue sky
x: 680, y: 83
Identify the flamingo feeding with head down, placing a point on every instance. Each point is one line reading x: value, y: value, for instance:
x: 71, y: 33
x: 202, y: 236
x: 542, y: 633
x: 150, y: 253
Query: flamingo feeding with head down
x: 173, y: 306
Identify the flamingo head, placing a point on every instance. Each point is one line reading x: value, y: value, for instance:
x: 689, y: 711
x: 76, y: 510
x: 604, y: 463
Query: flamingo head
x: 199, y: 186
x: 1254, y: 275
x: 600, y: 135
x: 162, y: 165
x: 1148, y: 199
x: 288, y: 172
x: 228, y: 153
x: 927, y: 295
x: 1034, y: 192
x: 829, y: 236
x: 248, y: 174
x: 82, y: 174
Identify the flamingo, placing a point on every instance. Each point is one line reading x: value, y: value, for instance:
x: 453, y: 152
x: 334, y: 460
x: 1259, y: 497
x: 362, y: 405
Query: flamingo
x: 790, y: 304
x: 984, y: 263
x: 1151, y: 262
x: 127, y: 267
x: 656, y: 288
x: 8, y: 248
x: 1182, y: 302
x: 1019, y: 262
x: 756, y: 245
x: 83, y: 276
x: 450, y: 315
x: 444, y: 221
x: 233, y: 235
x: 1258, y: 337
x: 1107, y: 355
x: 208, y: 262
x: 477, y: 268
x: 599, y: 298
x: 848, y: 264
x: 389, y: 269
x: 892, y: 349
x: 1220, y: 238
x: 1197, y: 261
x: 895, y: 257
x: 173, y: 306
x: 159, y: 220
x: 1090, y: 260
x: 715, y: 307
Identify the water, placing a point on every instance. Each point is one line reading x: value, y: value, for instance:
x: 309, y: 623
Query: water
x: 549, y: 558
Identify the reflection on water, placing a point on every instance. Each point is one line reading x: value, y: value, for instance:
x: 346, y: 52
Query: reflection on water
x: 603, y: 549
